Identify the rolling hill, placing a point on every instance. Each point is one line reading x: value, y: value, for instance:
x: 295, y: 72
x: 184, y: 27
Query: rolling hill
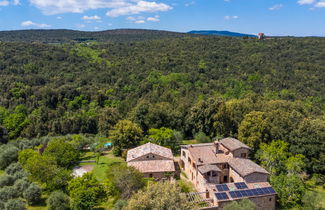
x: 221, y: 33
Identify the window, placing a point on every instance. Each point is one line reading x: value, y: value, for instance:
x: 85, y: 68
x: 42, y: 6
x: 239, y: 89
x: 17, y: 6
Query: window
x: 209, y: 173
x: 225, y: 179
x: 214, y: 173
x: 153, y: 156
x: 184, y: 154
x: 189, y: 159
x: 150, y: 175
x: 270, y: 199
x: 243, y: 155
x: 225, y: 166
x: 148, y: 156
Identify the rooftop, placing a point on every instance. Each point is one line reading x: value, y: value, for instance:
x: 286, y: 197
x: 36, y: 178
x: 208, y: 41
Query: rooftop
x: 151, y: 166
x: 206, y: 168
x: 147, y: 149
x: 245, y: 167
x: 203, y: 154
x: 233, y: 144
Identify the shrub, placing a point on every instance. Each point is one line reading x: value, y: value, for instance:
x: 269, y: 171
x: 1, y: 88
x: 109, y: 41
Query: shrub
x: 6, y: 180
x: 21, y: 185
x: 58, y: 201
x: 202, y: 137
x: 15, y: 204
x: 120, y: 204
x: 33, y: 194
x: 7, y: 193
x: 8, y: 154
x: 13, y: 168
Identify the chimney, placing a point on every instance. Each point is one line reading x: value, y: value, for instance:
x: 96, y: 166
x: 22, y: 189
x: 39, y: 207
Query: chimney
x: 216, y: 145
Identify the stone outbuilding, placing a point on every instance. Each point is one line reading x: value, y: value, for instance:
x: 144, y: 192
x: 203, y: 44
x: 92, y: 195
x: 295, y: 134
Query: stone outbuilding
x: 152, y: 160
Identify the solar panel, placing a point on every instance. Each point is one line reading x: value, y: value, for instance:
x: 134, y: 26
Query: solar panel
x: 222, y: 196
x: 252, y: 192
x: 233, y: 194
x: 240, y: 185
x: 222, y: 187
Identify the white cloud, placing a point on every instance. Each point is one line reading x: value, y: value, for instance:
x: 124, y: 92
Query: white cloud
x: 31, y: 23
x: 116, y: 7
x: 139, y: 7
x: 4, y: 3
x: 139, y: 21
x: 231, y: 17
x: 302, y: 2
x: 154, y: 19
x: 276, y: 7
x: 16, y: 2
x: 320, y: 4
x: 52, y: 7
x: 190, y: 4
x: 59, y: 17
x: 95, y: 17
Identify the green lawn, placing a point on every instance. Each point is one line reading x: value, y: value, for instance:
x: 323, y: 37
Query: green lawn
x: 104, y: 162
x: 190, y: 142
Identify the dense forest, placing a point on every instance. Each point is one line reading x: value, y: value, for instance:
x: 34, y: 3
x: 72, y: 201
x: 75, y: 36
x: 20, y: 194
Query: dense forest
x: 269, y: 94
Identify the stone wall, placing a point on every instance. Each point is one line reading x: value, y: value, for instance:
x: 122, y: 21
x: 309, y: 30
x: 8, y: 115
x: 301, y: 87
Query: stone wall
x: 238, y: 152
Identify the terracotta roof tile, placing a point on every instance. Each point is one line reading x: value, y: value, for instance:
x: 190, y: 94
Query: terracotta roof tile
x: 149, y: 148
x: 245, y: 167
x: 151, y: 166
x: 233, y: 144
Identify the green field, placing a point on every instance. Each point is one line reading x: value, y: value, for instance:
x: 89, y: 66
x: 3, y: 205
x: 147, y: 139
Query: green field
x: 106, y: 160
x: 2, y: 172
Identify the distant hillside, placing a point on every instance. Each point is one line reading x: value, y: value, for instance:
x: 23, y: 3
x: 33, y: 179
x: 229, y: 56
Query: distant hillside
x: 221, y: 33
x: 61, y: 35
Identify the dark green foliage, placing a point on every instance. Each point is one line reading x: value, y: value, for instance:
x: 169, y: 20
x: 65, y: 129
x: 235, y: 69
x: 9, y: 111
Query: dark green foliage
x: 15, y: 204
x: 63, y: 152
x: 244, y: 204
x: 3, y: 135
x: 202, y: 138
x: 33, y: 194
x: 58, y: 201
x: 13, y: 168
x: 85, y: 192
x: 21, y: 186
x: 123, y: 181
x: 125, y: 135
x: 6, y: 180
x: 7, y: 193
x: 8, y: 155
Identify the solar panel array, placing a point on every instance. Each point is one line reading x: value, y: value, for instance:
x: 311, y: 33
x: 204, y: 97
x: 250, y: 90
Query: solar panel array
x: 222, y: 196
x: 241, y: 185
x: 252, y: 192
x: 222, y: 187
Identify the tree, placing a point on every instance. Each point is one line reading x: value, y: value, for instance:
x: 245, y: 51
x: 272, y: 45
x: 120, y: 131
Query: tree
x: 107, y: 119
x: 312, y: 201
x: 3, y: 135
x: 21, y: 185
x: 244, y: 204
x: 15, y: 204
x: 44, y: 169
x: 63, y: 152
x: 164, y: 137
x: 8, y: 155
x: 202, y: 138
x: 13, y: 168
x: 273, y: 156
x: 253, y: 130
x: 161, y: 195
x: 6, y: 180
x: 16, y: 121
x: 124, y: 181
x: 33, y: 194
x: 58, y: 201
x: 7, y: 193
x: 85, y: 192
x: 290, y: 189
x: 125, y: 135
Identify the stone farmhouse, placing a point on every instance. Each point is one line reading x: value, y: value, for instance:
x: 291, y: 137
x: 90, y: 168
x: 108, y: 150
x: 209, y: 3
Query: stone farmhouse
x: 223, y: 173
x: 152, y: 160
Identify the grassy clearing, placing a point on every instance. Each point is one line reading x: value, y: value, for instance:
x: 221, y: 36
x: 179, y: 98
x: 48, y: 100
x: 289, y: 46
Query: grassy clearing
x: 193, y: 141
x: 2, y: 172
x: 105, y: 161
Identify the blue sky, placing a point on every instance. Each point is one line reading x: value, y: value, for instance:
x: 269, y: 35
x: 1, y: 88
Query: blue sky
x: 273, y: 17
